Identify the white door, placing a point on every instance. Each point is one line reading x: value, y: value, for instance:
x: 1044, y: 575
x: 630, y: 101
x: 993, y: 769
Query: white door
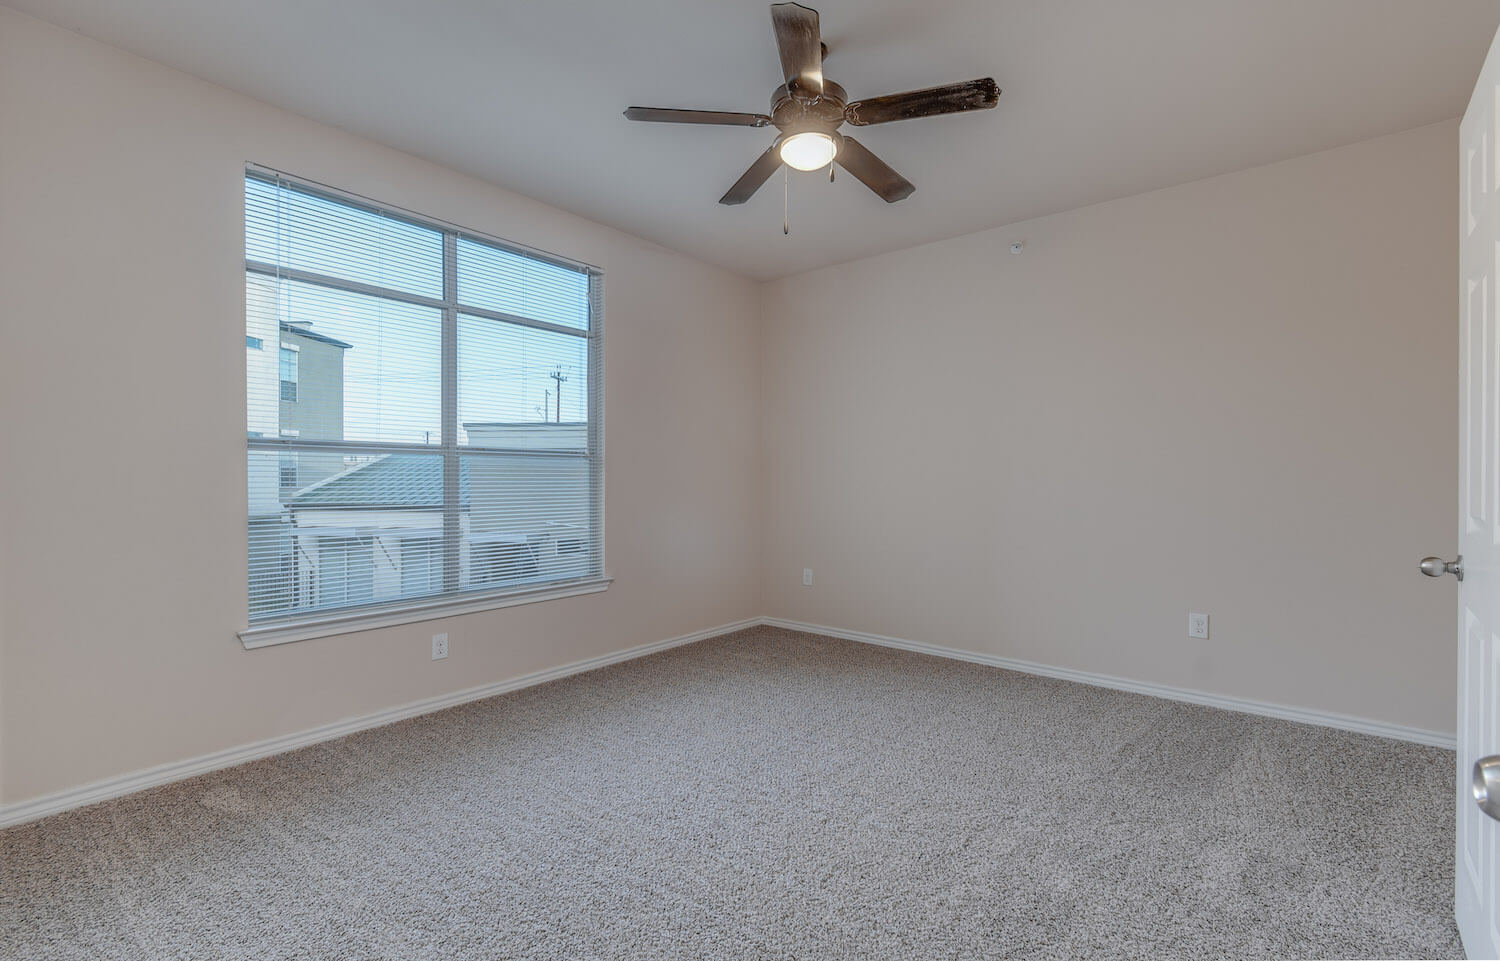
x: 1478, y: 834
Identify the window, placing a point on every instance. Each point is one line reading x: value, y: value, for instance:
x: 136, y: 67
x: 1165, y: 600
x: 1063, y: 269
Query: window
x: 288, y: 368
x: 287, y: 470
x: 255, y: 343
x: 429, y: 433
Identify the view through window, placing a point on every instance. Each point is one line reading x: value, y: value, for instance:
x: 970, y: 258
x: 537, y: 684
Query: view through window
x: 423, y: 408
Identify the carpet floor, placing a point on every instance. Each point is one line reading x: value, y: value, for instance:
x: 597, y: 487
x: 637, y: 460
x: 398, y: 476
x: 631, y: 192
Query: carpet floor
x: 767, y: 795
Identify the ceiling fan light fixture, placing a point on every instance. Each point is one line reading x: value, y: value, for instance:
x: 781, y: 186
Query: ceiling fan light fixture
x: 808, y: 109
x: 808, y: 150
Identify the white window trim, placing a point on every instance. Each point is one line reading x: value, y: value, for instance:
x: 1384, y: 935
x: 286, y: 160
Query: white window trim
x: 306, y: 626
x: 407, y: 612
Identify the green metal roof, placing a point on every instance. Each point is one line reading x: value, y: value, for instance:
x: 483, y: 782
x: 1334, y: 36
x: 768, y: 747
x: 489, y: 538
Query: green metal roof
x: 391, y: 481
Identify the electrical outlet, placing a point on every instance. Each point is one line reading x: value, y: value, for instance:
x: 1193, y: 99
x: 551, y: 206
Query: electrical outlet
x: 439, y: 646
x: 1198, y: 626
x: 807, y: 577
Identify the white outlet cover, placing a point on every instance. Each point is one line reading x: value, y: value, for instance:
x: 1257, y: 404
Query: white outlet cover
x: 439, y: 646
x: 807, y: 577
x: 1198, y: 626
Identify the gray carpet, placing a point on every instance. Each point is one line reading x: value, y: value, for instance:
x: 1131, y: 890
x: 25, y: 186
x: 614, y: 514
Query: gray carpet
x: 768, y: 795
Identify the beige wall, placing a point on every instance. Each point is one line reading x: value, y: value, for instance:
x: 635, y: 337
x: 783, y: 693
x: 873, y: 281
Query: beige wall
x: 1236, y: 396
x: 122, y: 560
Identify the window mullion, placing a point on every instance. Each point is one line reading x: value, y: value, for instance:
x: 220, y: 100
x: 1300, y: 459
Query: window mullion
x: 451, y: 493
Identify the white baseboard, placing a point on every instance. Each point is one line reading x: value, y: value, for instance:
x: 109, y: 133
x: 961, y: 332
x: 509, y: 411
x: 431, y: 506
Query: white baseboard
x: 1303, y: 715
x: 22, y: 811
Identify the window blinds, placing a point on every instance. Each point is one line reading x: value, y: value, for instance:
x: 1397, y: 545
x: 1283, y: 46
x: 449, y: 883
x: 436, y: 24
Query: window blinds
x: 423, y: 408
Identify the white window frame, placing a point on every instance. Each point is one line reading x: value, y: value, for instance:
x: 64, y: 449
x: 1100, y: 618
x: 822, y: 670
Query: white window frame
x: 280, y: 629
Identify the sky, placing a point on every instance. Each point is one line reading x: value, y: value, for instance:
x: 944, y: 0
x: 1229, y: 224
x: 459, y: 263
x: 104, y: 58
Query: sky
x: 392, y: 389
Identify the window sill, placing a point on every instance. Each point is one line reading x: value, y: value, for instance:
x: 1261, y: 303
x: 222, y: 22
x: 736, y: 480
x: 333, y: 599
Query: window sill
x: 304, y: 628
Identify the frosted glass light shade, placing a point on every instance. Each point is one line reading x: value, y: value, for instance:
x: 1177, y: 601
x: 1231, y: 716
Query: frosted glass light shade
x: 808, y: 151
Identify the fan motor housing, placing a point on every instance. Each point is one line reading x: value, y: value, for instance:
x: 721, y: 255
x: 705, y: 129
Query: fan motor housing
x: 794, y: 113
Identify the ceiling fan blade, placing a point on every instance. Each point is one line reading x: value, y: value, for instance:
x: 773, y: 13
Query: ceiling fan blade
x: 723, y: 117
x: 953, y: 98
x: 750, y: 181
x: 800, y: 45
x: 873, y: 172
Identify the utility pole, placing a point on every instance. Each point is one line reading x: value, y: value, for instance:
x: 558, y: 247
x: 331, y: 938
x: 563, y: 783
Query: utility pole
x: 561, y: 378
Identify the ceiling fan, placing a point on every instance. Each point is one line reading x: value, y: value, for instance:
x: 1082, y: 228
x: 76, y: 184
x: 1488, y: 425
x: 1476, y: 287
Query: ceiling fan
x: 808, y: 110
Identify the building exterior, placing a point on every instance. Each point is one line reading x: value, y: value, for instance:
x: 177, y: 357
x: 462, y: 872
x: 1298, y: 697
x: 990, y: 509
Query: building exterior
x: 530, y: 514
x: 310, y: 394
x: 295, y: 388
x: 375, y: 531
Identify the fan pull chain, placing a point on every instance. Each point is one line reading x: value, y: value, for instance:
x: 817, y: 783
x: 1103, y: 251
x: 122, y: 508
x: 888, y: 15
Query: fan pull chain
x: 786, y: 201
x: 830, y: 173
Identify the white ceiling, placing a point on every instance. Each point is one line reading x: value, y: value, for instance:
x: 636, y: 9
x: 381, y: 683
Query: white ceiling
x: 1102, y: 98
